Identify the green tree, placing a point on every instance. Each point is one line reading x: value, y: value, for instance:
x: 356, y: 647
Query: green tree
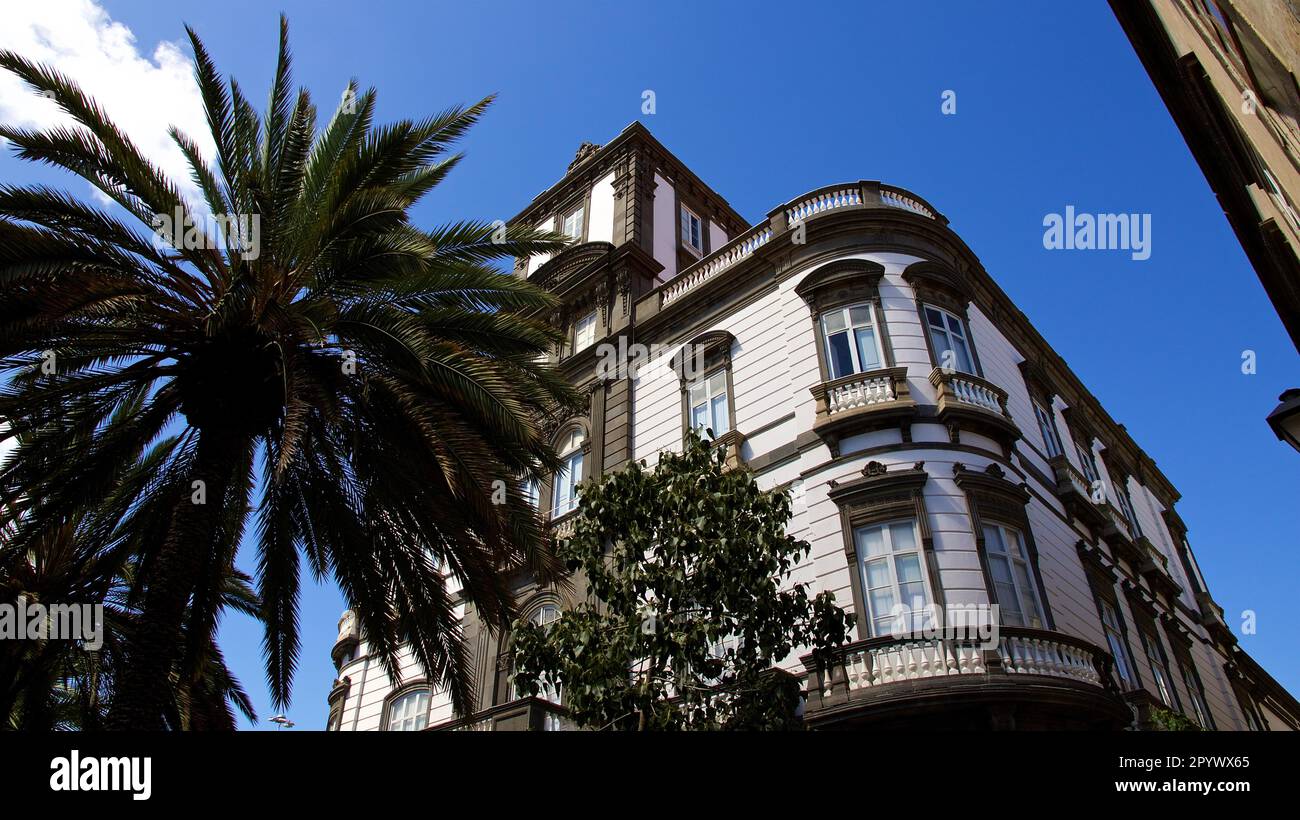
x: 354, y: 384
x: 687, y: 606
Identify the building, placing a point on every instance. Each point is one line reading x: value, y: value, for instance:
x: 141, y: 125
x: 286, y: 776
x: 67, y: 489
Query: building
x: 938, y: 449
x: 1226, y: 70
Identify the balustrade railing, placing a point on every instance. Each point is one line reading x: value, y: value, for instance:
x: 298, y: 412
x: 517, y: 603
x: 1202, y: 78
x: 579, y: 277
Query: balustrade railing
x: 783, y: 219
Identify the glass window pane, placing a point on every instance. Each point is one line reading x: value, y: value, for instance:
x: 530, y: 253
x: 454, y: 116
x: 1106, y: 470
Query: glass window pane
x: 999, y: 570
x: 878, y: 574
x: 1014, y: 544
x: 841, y: 356
x: 941, y: 346
x: 718, y: 383
x: 700, y: 416
x: 954, y: 326
x: 934, y: 317
x: 575, y: 468
x: 699, y: 393
x: 871, y: 541
x: 882, y: 602
x: 963, y: 356
x: 834, y: 322
x: 909, y: 569
x: 993, y: 539
x: 914, y: 596
x: 860, y: 315
x: 903, y: 536
x: 868, y: 356
x: 721, y: 420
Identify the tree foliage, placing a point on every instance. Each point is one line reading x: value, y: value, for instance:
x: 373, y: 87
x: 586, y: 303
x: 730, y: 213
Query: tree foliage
x: 351, y: 384
x: 689, y: 604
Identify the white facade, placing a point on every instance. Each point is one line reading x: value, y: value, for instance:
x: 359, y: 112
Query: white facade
x: 759, y: 294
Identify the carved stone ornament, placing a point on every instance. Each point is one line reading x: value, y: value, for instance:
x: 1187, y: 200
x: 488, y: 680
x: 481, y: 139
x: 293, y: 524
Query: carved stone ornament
x: 874, y: 468
x: 585, y: 150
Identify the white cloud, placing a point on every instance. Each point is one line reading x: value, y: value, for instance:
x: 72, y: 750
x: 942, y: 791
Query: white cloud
x: 143, y: 95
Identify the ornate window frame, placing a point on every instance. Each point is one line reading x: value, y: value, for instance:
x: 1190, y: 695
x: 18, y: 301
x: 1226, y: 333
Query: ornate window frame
x: 546, y: 492
x: 936, y: 285
x: 882, y: 495
x: 401, y: 691
x: 711, y: 349
x: 1101, y: 581
x: 1146, y: 620
x: 844, y: 283
x: 992, y: 499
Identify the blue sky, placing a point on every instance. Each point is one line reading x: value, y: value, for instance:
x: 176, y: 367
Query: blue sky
x: 767, y: 101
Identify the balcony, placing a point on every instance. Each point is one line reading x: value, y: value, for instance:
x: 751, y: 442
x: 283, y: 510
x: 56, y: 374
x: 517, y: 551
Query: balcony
x: 524, y: 715
x: 1116, y: 531
x: 861, y: 402
x: 1154, y: 567
x: 832, y: 200
x: 1076, y: 492
x: 349, y: 638
x: 968, y: 402
x: 1033, y: 678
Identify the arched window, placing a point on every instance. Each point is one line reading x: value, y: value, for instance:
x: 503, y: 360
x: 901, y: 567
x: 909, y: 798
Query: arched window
x: 409, y: 711
x: 545, y: 615
x: 564, y: 490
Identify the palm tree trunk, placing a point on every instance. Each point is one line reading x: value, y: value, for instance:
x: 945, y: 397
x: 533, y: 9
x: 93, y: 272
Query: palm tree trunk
x: 143, y: 691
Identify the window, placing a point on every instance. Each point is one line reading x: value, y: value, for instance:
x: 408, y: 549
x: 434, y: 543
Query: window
x: 532, y: 492
x: 1195, y: 695
x: 692, y: 231
x: 546, y: 615
x: 948, y: 333
x: 573, y: 225
x: 564, y: 495
x: 708, y: 398
x: 893, y: 578
x: 1159, y: 669
x: 1248, y: 709
x: 1013, y: 584
x: 1086, y: 459
x: 1126, y: 507
x: 1115, y: 639
x: 409, y: 712
x: 1047, y: 425
x: 584, y: 332
x: 852, y: 345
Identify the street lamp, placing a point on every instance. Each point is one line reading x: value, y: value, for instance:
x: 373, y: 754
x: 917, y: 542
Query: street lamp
x: 1285, y: 418
x: 284, y: 722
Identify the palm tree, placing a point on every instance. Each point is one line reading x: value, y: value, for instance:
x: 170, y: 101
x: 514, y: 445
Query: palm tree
x: 361, y: 382
x: 91, y: 557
